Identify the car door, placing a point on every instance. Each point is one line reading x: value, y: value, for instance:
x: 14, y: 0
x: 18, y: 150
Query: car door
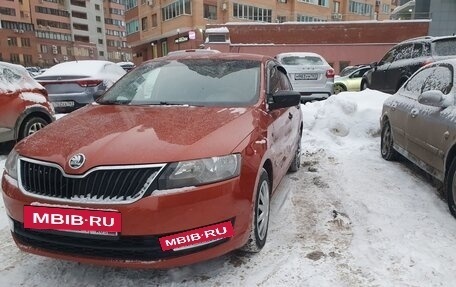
x: 401, y: 106
x: 280, y: 126
x: 394, y: 75
x: 430, y: 129
x: 378, y: 74
x: 9, y: 103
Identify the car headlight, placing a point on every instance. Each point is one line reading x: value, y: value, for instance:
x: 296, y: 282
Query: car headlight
x: 11, y: 164
x: 200, y: 171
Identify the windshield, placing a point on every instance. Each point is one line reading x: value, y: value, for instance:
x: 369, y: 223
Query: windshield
x: 445, y: 47
x: 198, y: 82
x: 302, y: 60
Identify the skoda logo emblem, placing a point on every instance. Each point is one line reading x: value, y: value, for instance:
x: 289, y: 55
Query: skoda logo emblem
x: 77, y: 161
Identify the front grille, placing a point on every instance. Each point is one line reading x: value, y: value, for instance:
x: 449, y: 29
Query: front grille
x: 100, y: 185
x: 140, y: 248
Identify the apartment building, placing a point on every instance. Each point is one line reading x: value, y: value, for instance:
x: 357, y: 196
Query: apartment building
x: 116, y: 40
x: 155, y: 27
x: 46, y: 32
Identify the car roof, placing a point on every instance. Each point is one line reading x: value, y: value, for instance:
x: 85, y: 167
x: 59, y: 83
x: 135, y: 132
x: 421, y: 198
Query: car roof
x: 83, y: 67
x: 427, y: 39
x: 226, y: 56
x: 298, y: 54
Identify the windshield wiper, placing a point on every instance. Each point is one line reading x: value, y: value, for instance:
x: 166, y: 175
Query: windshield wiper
x: 115, y: 102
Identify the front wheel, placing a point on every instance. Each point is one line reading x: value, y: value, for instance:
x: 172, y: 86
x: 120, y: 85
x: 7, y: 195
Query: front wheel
x: 260, y: 223
x: 364, y: 85
x: 339, y: 88
x: 386, y: 144
x: 30, y: 126
x: 451, y: 188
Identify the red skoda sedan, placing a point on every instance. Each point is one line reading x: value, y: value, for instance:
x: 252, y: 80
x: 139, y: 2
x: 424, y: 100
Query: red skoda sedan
x: 174, y: 164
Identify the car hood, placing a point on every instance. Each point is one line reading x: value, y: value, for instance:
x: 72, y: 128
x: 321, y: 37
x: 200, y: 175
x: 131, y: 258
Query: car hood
x: 117, y: 135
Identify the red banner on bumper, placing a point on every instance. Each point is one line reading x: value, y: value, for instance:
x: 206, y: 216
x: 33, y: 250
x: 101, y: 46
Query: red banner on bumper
x: 197, y: 236
x: 69, y: 219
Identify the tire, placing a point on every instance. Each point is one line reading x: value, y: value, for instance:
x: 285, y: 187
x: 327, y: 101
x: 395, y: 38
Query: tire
x: 364, y: 85
x: 451, y: 188
x: 386, y: 145
x: 296, y: 162
x: 260, y: 222
x: 31, y: 125
x: 339, y: 88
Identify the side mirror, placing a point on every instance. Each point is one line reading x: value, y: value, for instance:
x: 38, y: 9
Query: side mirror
x: 284, y: 99
x: 433, y: 98
x: 373, y: 64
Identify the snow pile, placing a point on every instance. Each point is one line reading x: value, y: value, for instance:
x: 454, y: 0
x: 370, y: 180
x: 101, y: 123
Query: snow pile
x: 346, y: 117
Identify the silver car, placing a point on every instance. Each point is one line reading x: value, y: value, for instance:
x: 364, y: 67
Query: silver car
x: 72, y: 85
x: 419, y: 122
x: 309, y: 74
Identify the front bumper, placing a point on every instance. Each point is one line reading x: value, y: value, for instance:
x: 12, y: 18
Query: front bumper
x: 143, y: 222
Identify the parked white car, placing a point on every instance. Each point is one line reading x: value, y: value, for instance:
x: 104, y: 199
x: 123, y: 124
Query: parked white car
x: 309, y: 74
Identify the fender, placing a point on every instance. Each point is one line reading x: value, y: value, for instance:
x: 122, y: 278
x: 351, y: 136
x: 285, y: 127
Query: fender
x: 38, y: 110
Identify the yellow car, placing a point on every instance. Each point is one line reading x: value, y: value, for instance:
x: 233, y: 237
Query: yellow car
x: 351, y: 81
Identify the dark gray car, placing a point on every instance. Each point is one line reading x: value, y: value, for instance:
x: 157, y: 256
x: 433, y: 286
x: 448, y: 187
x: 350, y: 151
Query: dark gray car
x: 419, y: 122
x: 406, y: 58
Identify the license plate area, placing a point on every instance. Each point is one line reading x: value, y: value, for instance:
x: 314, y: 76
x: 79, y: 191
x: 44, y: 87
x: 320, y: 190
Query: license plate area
x: 73, y: 220
x: 306, y: 76
x: 65, y: 104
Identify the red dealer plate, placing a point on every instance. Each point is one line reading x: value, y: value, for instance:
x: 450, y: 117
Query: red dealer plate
x: 197, y: 237
x: 100, y: 222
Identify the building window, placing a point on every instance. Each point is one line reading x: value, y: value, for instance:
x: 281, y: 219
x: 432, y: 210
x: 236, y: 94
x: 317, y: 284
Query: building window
x: 43, y: 49
x: 281, y: 19
x: 177, y: 8
x: 100, y: 41
x: 386, y: 8
x: 97, y: 7
x: 305, y: 18
x: 101, y: 53
x: 154, y: 20
x: 336, y: 7
x: 16, y: 26
x: 359, y: 8
x: 81, y: 27
x: 115, y: 22
x: 130, y: 4
x: 14, y: 58
x: 46, y: 23
x: 98, y: 18
x: 80, y: 15
x: 79, y: 38
x: 210, y: 11
x: 25, y: 42
x: 56, y: 12
x: 116, y: 11
x: 242, y: 11
x: 144, y: 23
x: 132, y: 27
x: 99, y: 30
x: 7, y: 11
x: 12, y: 41
x: 28, y: 60
x: 53, y: 36
x: 80, y: 3
x: 324, y: 3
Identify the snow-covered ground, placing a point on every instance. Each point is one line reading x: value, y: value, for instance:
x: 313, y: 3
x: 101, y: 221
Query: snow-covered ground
x: 347, y: 218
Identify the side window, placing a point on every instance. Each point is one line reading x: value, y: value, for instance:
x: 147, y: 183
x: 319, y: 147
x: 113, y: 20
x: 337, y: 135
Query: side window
x: 285, y: 84
x: 414, y: 85
x: 417, y: 50
x: 403, y: 52
x: 388, y: 58
x: 440, y: 79
x: 274, y: 80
